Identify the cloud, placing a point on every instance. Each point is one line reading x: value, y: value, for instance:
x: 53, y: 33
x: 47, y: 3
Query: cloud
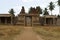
x: 17, y: 9
x: 28, y: 3
x: 27, y: 0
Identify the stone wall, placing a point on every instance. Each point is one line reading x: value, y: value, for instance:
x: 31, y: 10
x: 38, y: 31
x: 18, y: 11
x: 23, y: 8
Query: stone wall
x: 35, y: 21
x: 21, y: 20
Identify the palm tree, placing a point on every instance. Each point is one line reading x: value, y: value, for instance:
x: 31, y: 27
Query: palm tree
x: 38, y: 10
x: 59, y: 5
x: 46, y: 12
x: 13, y: 16
x: 51, y: 7
x: 11, y: 11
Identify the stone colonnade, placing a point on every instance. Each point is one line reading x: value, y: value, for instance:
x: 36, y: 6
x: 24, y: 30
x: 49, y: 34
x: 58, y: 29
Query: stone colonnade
x: 5, y: 20
x: 53, y: 22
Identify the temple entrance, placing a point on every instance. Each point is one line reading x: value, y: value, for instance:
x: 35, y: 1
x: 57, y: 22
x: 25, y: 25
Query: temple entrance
x: 28, y: 21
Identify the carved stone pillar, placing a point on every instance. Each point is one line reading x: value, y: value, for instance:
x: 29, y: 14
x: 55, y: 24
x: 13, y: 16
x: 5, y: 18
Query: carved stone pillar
x: 32, y: 21
x: 53, y: 21
x: 45, y: 21
x: 24, y: 20
x: 5, y: 21
x: 0, y: 20
x: 11, y: 20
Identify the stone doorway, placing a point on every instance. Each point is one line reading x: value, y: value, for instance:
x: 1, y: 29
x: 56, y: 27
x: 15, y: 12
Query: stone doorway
x: 49, y: 21
x: 28, y: 21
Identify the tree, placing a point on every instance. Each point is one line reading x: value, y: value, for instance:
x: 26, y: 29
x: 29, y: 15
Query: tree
x: 30, y: 10
x: 59, y: 5
x: 11, y: 11
x: 46, y: 12
x: 51, y: 7
x: 58, y: 16
x: 13, y: 16
x: 38, y: 10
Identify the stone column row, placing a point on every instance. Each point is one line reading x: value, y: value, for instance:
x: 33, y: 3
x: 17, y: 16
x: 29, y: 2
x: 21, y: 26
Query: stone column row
x: 5, y: 21
x: 24, y: 20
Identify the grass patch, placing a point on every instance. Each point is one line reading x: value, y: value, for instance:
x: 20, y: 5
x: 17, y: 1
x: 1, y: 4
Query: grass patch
x: 8, y: 32
x: 48, y: 33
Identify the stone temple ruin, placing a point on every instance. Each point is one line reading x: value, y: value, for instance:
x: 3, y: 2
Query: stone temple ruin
x: 29, y: 19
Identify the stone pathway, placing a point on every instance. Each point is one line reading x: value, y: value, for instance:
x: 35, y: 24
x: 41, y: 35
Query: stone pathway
x: 28, y: 34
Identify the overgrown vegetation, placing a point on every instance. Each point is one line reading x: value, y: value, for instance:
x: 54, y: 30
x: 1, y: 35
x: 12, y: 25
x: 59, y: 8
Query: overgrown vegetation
x: 9, y: 32
x: 48, y: 33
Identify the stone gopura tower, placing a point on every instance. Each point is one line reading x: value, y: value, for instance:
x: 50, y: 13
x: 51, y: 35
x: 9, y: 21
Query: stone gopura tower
x: 21, y: 17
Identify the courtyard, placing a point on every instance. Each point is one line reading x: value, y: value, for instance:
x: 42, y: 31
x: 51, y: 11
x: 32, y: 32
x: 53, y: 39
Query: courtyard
x: 17, y: 32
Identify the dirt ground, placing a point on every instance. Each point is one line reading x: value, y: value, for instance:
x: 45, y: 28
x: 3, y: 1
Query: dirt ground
x: 28, y: 34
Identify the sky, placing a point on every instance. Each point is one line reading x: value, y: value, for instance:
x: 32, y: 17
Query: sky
x: 6, y: 5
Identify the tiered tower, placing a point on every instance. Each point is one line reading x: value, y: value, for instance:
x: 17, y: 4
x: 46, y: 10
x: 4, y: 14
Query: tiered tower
x: 21, y: 17
x: 35, y: 17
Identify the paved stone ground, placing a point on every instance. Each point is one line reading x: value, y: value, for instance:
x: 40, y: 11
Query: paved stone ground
x: 28, y: 34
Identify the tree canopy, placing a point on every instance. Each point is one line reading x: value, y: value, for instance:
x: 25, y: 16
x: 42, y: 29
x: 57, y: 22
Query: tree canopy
x: 59, y: 5
x: 38, y: 10
x: 46, y: 12
x: 11, y: 11
x: 59, y: 2
x: 51, y: 7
